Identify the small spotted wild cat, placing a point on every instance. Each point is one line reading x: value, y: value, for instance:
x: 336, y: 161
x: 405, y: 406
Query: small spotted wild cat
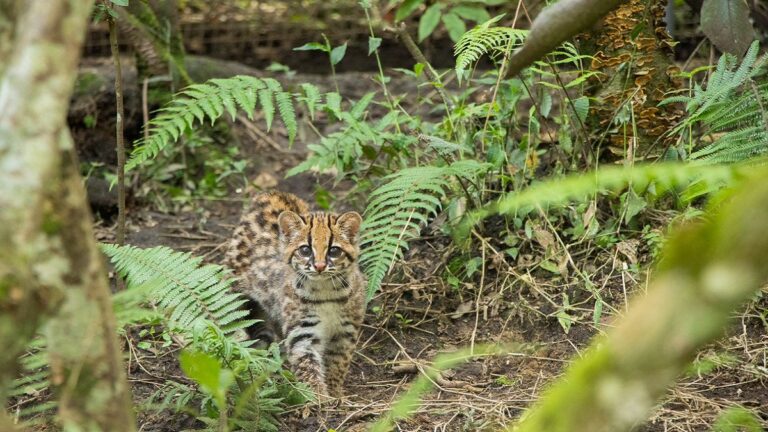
x: 300, y: 267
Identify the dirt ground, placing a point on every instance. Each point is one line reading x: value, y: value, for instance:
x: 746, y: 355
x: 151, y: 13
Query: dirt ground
x: 418, y: 315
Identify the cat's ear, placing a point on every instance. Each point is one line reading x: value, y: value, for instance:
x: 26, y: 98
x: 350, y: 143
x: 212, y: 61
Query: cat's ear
x: 349, y: 225
x: 289, y: 223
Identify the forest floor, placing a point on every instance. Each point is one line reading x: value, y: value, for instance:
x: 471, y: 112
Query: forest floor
x: 418, y: 314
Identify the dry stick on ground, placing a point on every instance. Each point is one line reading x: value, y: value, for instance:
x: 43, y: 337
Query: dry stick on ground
x: 50, y: 265
x: 707, y: 271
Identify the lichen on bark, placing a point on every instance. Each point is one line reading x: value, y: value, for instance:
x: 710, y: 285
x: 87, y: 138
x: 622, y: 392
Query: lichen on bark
x: 50, y: 266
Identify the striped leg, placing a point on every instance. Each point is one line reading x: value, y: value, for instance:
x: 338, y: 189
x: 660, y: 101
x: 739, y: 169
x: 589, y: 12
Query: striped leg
x: 303, y: 347
x: 337, y: 356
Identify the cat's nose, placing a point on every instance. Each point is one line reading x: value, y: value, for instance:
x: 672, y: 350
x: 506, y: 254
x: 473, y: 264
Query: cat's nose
x: 319, y: 266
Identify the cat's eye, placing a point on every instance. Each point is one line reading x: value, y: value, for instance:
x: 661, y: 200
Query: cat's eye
x: 305, y: 251
x: 334, y: 252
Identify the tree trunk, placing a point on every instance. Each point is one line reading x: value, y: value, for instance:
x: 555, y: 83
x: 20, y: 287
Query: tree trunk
x: 631, y: 52
x: 50, y: 266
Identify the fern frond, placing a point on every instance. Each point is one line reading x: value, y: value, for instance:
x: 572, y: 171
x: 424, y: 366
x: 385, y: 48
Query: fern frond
x: 311, y: 97
x: 482, y: 40
x: 444, y: 147
x: 731, y: 107
x: 184, y: 289
x: 604, y: 180
x: 399, y: 208
x: 33, y: 383
x: 209, y: 101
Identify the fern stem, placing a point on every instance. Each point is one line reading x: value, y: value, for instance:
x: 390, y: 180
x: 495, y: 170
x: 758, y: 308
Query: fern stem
x: 502, y: 71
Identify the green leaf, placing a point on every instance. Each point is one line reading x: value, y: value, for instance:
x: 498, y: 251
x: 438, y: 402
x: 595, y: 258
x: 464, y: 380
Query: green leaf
x: 312, y: 46
x: 581, y: 106
x: 120, y: 2
x: 726, y: 24
x: 418, y: 68
x: 565, y: 320
x: 407, y: 8
x: 206, y: 371
x: 373, y: 44
x: 473, y: 265
x: 546, y: 104
x: 737, y: 419
x: 477, y: 14
x: 429, y: 21
x: 337, y: 54
x: 550, y: 267
x: 333, y: 103
x: 635, y: 204
x: 455, y: 26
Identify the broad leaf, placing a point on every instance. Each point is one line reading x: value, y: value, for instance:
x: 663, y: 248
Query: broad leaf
x: 373, y: 44
x: 337, y: 54
x: 429, y: 21
x: 455, y: 26
x: 312, y: 46
x: 407, y: 8
x: 473, y: 13
x: 726, y: 24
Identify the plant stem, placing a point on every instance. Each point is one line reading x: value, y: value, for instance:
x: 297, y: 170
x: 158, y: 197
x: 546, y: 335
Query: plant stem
x: 223, y: 421
x: 437, y: 83
x: 382, y: 81
x: 330, y: 60
x: 119, y: 138
x: 412, y: 48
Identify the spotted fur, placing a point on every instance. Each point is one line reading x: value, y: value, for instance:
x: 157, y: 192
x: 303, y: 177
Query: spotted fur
x: 300, y: 267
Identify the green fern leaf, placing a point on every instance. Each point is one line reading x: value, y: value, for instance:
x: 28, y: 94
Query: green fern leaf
x: 731, y: 105
x: 399, y: 208
x: 311, y: 98
x: 187, y: 291
x: 585, y: 186
x: 482, y: 40
x: 209, y: 101
x: 287, y: 113
x: 267, y: 106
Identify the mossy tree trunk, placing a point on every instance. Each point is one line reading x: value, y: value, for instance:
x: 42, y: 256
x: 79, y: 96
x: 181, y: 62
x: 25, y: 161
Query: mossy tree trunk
x: 51, y: 271
x: 632, y: 54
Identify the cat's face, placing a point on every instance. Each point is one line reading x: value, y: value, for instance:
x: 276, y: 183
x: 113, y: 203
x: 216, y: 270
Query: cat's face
x: 320, y: 245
